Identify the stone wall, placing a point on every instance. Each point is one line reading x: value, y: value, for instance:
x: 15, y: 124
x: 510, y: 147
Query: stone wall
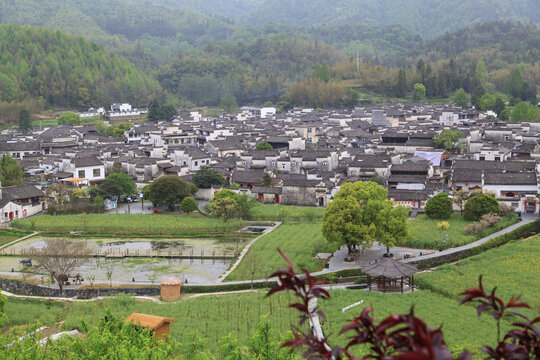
x: 300, y: 196
x: 17, y: 287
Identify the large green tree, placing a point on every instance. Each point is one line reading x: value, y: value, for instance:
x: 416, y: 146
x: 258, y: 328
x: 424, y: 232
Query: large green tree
x: 479, y: 205
x: 11, y: 172
x: 206, y: 177
x: 499, y: 106
x: 228, y: 103
x: 419, y: 92
x: 460, y: 98
x: 69, y: 118
x: 154, y: 111
x: 170, y: 190
x: 25, y: 123
x: 448, y: 139
x: 226, y: 209
x: 357, y: 214
x: 524, y: 112
x: 391, y: 228
x: 117, y: 184
x: 439, y: 206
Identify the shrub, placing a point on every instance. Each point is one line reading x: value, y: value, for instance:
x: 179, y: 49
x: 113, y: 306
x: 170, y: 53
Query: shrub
x: 505, y: 209
x: 479, y: 205
x: 189, y: 204
x: 439, y: 207
x: 443, y: 225
x: 226, y: 209
x: 487, y: 220
x: 490, y: 219
x: 242, y: 200
x: 474, y: 229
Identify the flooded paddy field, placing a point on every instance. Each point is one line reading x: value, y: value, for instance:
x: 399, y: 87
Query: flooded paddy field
x: 140, y: 269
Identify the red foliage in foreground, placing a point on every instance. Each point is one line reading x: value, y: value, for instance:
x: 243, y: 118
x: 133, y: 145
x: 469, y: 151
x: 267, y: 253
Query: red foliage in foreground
x: 404, y: 337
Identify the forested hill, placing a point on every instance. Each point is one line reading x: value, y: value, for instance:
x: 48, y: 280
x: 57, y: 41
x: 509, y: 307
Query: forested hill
x: 143, y: 31
x: 66, y: 70
x: 428, y: 18
x: 253, y: 71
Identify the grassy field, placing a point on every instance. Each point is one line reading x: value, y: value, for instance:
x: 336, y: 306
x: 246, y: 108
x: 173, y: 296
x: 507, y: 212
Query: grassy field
x: 426, y: 235
x: 514, y: 268
x: 212, y: 317
x: 461, y: 325
x: 130, y: 225
x: 8, y: 235
x: 286, y: 213
x: 299, y: 241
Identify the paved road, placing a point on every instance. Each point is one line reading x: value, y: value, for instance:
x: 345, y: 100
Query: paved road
x: 525, y: 219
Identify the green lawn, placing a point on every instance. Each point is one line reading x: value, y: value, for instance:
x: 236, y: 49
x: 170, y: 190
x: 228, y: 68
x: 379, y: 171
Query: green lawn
x: 130, y: 224
x: 426, y: 235
x: 514, y: 268
x: 8, y: 235
x: 298, y: 241
x: 45, y: 123
x: 286, y: 213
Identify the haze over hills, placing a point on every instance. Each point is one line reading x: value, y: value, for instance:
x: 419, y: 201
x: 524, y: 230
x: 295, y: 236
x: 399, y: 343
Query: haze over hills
x: 256, y: 50
x: 123, y: 25
x: 428, y: 18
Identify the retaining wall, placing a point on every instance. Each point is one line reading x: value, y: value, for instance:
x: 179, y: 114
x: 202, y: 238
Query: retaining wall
x: 17, y: 287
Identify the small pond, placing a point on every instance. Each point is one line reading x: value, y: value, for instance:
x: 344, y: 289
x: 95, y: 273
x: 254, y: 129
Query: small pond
x: 197, y: 271
x: 141, y: 269
x: 186, y: 245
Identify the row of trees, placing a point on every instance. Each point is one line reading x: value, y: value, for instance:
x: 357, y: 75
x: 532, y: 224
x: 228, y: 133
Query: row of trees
x: 473, y: 206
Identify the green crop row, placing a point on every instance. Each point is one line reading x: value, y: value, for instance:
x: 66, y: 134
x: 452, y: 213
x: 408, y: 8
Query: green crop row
x: 129, y: 224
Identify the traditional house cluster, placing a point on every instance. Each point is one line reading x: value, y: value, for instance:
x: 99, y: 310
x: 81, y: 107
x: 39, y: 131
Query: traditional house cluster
x: 314, y: 153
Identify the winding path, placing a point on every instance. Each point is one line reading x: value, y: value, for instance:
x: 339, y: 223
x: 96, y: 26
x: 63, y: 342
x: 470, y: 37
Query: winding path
x: 18, y: 240
x: 245, y: 250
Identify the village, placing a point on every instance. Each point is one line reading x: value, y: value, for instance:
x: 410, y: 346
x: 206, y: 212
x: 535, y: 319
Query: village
x: 312, y: 153
x: 272, y: 188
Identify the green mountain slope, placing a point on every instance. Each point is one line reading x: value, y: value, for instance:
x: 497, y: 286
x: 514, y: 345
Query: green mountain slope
x: 141, y: 30
x: 429, y: 18
x: 66, y: 70
x: 252, y: 71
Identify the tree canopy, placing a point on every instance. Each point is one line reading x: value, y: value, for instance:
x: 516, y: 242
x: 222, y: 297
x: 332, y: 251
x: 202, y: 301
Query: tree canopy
x: 170, y: 190
x: 69, y: 118
x: 478, y: 205
x: 11, y: 172
x: 263, y: 145
x: 439, y: 206
x: 206, y: 177
x: 66, y: 70
x: 448, y: 139
x: 117, y: 184
x: 358, y: 216
x: 25, y: 123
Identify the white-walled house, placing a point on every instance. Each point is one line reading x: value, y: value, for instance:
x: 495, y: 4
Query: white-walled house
x: 519, y: 190
x: 19, y: 202
x: 90, y: 168
x: 194, y: 159
x: 267, y: 112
